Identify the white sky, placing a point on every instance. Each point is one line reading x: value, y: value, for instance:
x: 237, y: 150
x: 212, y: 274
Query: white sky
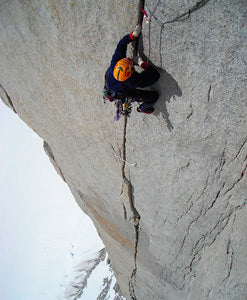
x: 40, y: 222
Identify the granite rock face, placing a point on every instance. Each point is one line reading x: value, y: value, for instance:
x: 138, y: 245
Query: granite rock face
x: 174, y: 224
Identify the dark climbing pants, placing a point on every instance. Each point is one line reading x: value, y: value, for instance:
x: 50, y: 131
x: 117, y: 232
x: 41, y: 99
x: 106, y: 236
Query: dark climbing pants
x: 147, y: 97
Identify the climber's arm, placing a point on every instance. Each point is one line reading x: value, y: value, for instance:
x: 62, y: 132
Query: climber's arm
x: 147, y: 77
x: 121, y: 49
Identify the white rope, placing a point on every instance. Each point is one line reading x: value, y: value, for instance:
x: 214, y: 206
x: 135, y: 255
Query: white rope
x: 120, y: 158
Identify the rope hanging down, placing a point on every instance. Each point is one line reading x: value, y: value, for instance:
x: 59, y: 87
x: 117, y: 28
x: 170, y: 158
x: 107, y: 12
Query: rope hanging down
x: 148, y: 20
x: 149, y: 30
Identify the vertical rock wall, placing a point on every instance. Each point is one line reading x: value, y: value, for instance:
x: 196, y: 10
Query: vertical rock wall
x: 173, y: 225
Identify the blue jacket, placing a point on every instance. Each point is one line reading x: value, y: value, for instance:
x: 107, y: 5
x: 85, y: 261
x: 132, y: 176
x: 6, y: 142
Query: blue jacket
x: 147, y: 77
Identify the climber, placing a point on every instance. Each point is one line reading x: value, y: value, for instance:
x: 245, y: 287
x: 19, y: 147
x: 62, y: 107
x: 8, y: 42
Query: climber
x: 121, y: 79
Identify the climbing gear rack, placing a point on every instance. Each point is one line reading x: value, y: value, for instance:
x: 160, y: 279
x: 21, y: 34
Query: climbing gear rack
x: 123, y: 107
x: 122, y: 103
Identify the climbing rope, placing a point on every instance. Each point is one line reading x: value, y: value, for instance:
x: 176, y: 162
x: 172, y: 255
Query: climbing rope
x: 148, y: 20
x: 180, y: 18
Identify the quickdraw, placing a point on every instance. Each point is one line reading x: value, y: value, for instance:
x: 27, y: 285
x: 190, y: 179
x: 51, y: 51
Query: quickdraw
x: 146, y: 17
x: 122, y: 103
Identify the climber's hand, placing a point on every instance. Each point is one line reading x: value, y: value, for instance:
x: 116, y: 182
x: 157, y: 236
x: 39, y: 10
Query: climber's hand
x: 143, y: 64
x: 136, y: 32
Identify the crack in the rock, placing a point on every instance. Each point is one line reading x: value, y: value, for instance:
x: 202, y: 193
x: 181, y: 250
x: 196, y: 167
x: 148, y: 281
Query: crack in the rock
x: 188, y: 231
x: 237, y: 181
x: 136, y: 216
x: 209, y: 92
x: 193, y: 221
x: 213, y: 202
x: 188, y: 209
x: 215, y: 199
x: 222, y: 162
x: 184, y: 16
x: 240, y: 149
x: 133, y: 275
x: 219, y: 168
x: 185, y: 166
x: 186, y: 212
x: 201, y: 213
x: 209, y: 238
x: 195, y: 250
x: 229, y: 252
x: 204, y: 189
x: 125, y: 212
x: 222, y: 223
x: 8, y: 98
x: 191, y: 112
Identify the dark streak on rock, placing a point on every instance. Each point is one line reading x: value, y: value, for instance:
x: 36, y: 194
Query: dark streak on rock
x: 215, y: 199
x: 209, y: 92
x: 240, y: 149
x: 9, y: 99
x: 50, y: 154
x: 194, y: 220
x: 229, y: 252
x: 222, y: 161
x: 191, y: 113
x: 133, y: 275
x: 221, y: 165
x: 213, y: 202
x: 237, y: 181
x: 188, y: 209
x: 125, y: 212
x: 208, y: 238
x: 221, y: 224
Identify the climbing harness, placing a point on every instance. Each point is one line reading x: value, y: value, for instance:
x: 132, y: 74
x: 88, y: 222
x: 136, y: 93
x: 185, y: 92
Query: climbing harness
x: 122, y: 102
x: 123, y: 107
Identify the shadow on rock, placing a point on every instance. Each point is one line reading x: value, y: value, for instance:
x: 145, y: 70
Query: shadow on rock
x: 167, y: 87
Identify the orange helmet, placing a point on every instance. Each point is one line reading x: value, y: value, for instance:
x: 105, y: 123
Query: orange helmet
x: 122, y: 69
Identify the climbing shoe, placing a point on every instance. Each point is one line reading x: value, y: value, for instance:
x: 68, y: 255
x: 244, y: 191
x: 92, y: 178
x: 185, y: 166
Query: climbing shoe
x: 148, y: 110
